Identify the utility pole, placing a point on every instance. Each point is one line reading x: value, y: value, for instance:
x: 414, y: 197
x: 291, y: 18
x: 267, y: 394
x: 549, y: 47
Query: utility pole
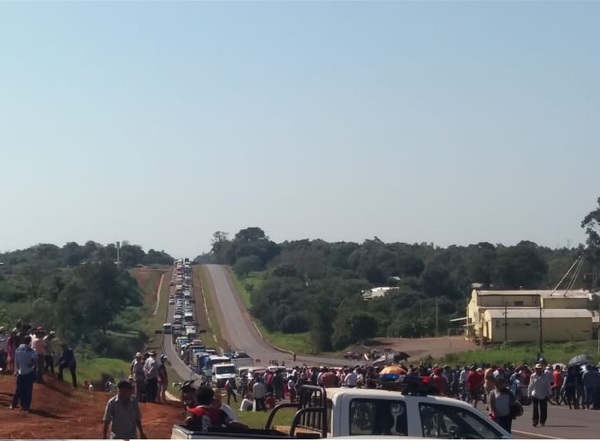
x: 541, y: 331
x: 437, y: 328
x: 118, y: 254
x: 505, y: 322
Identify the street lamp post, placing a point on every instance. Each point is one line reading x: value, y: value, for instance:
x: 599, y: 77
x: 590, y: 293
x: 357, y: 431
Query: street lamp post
x: 541, y: 331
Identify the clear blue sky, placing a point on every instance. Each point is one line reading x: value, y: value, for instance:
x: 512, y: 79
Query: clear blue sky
x: 163, y: 122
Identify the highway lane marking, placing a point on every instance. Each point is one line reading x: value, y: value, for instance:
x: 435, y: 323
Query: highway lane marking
x: 535, y: 435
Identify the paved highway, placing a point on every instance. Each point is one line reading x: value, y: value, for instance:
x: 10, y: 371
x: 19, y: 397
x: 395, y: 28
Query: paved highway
x: 561, y: 423
x: 238, y: 329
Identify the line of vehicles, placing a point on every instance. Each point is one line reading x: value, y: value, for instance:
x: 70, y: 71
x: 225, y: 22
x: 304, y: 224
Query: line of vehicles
x: 186, y: 333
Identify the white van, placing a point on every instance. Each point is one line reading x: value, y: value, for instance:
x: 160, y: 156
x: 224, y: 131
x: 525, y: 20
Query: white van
x: 221, y: 373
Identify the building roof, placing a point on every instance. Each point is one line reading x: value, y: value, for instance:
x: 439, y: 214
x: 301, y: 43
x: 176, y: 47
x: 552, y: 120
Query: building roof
x: 534, y: 292
x: 377, y: 292
x: 534, y: 313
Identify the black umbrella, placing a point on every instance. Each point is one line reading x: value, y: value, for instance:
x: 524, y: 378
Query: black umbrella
x: 580, y: 360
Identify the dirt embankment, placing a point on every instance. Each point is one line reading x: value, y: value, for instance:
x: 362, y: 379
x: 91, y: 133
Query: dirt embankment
x: 58, y: 411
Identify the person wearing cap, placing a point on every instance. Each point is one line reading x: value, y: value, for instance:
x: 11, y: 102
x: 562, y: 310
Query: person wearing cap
x: 49, y: 352
x: 37, y: 343
x: 67, y: 361
x: 122, y: 414
x: 151, y: 374
x: 539, y: 390
x: 139, y: 379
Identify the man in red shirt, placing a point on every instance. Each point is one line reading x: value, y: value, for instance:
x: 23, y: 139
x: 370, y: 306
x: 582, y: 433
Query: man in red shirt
x: 475, y: 381
x: 557, y: 382
x: 204, y: 415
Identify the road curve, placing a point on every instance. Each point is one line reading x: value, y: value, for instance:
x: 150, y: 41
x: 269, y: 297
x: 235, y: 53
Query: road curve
x: 238, y: 328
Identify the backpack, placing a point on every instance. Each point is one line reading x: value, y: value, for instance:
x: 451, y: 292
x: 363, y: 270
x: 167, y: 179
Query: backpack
x: 516, y: 410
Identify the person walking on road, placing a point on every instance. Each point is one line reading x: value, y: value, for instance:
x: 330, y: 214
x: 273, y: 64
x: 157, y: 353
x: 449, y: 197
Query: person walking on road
x: 539, y: 390
x: 122, y: 414
x: 500, y: 400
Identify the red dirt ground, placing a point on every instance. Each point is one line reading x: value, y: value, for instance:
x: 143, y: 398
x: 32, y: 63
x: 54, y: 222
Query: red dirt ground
x: 58, y: 411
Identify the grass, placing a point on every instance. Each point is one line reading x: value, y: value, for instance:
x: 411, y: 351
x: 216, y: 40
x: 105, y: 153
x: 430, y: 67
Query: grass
x: 253, y: 279
x: 519, y: 353
x: 97, y: 368
x: 201, y: 281
x: 257, y: 420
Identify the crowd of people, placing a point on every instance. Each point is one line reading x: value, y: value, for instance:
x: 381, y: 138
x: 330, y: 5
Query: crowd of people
x: 149, y: 377
x: 501, y: 389
x: 28, y: 353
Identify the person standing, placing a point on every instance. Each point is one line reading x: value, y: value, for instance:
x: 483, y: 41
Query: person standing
x: 230, y: 387
x: 49, y: 352
x: 137, y: 372
x: 259, y: 392
x: 557, y: 382
x: 501, y: 400
x: 539, y: 390
x: 12, y: 343
x: 25, y: 364
x: 67, y: 361
x: 37, y: 343
x: 122, y: 414
x: 163, y: 380
x: 151, y: 374
x: 3, y: 352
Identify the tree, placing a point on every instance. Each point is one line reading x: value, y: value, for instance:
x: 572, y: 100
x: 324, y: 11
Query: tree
x: 591, y: 225
x: 521, y: 266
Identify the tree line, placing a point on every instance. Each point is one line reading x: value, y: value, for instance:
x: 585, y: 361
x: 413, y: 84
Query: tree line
x: 76, y: 290
x: 317, y: 286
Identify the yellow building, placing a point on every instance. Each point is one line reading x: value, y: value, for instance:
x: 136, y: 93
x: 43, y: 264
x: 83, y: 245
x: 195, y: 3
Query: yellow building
x: 495, y: 316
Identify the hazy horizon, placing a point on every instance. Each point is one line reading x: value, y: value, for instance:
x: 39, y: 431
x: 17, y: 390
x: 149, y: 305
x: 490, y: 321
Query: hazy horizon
x: 162, y: 122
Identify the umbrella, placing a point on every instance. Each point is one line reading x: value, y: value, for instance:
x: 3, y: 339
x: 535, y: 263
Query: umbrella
x: 393, y: 369
x: 392, y: 373
x: 580, y: 359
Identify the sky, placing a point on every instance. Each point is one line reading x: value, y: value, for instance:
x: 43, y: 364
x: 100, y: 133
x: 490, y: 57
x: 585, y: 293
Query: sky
x: 161, y: 123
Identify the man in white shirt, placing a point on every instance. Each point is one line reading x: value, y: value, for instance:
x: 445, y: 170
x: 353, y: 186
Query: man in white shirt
x: 351, y: 379
x: 151, y: 373
x: 540, y: 388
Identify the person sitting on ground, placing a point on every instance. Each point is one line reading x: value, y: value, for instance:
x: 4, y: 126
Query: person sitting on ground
x: 247, y: 403
x: 205, y: 416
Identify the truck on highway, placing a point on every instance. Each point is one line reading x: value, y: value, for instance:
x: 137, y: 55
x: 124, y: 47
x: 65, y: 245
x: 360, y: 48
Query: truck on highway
x: 221, y: 373
x: 354, y: 412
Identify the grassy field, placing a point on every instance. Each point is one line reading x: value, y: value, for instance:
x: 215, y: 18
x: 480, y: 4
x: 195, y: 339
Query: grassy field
x: 96, y: 369
x: 212, y: 336
x: 298, y: 343
x: 524, y: 353
x: 257, y: 420
x: 153, y: 322
x: 253, y: 279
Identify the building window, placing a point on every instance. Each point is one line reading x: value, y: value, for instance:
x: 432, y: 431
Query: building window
x: 519, y: 303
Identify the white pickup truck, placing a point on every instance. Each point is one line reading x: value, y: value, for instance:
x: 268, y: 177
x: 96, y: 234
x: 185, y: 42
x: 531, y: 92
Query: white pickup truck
x: 348, y: 412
